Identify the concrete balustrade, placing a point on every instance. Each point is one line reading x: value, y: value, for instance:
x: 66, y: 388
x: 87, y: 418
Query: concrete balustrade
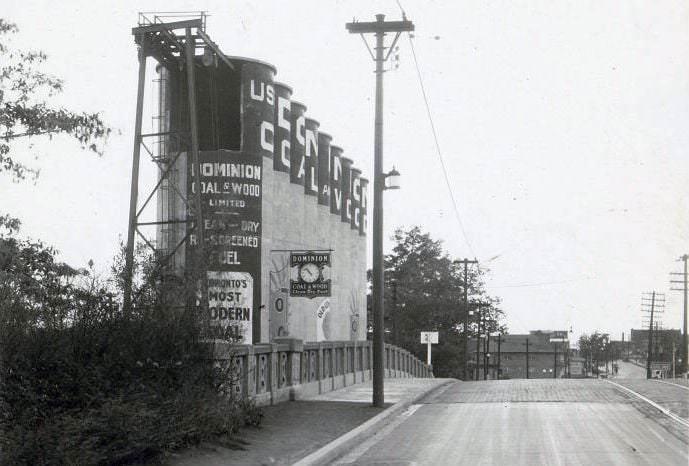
x: 289, y: 369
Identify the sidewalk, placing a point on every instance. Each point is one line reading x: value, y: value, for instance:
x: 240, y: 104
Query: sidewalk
x: 295, y: 429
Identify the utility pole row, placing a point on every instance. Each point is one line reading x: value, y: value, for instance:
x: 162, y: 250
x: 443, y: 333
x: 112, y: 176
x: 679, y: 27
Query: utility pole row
x: 684, y: 350
x: 651, y: 303
x: 465, y: 262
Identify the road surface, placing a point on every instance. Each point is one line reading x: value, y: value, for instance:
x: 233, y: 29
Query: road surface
x: 628, y: 370
x: 525, y: 422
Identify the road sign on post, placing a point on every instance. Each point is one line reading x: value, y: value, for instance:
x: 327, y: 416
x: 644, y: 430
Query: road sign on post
x: 430, y: 338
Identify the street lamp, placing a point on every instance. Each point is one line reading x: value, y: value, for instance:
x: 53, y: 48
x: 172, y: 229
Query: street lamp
x: 606, y: 351
x: 379, y: 27
x: 392, y: 179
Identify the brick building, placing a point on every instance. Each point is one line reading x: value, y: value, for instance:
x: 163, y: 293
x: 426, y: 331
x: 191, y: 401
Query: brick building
x: 663, y: 341
x: 545, y: 357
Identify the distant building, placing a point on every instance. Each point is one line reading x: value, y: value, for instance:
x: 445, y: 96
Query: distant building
x: 663, y: 342
x: 545, y: 357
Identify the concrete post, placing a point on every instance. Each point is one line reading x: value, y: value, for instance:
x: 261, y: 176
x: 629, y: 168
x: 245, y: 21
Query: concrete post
x: 251, y: 375
x: 273, y: 361
x: 333, y: 365
x: 294, y: 358
x: 320, y: 368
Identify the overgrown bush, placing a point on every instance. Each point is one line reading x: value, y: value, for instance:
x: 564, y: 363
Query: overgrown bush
x: 81, y: 383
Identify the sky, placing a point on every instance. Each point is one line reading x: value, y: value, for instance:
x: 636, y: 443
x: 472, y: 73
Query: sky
x: 563, y: 127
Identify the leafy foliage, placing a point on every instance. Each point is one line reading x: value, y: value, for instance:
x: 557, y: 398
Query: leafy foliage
x: 25, y: 112
x: 82, y: 384
x: 425, y: 291
x: 593, y: 349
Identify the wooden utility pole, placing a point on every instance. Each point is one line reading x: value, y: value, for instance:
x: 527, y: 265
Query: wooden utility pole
x: 650, y: 338
x: 478, y: 338
x: 684, y: 350
x: 466, y: 263
x: 527, y: 358
x: 652, y: 303
x: 379, y: 28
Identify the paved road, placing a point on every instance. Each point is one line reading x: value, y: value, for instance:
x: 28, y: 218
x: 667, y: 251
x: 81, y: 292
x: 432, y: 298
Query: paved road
x: 668, y: 394
x: 627, y: 370
x: 526, y: 422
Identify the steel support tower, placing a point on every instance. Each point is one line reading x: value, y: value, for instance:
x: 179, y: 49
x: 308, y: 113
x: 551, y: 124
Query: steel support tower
x: 173, y: 45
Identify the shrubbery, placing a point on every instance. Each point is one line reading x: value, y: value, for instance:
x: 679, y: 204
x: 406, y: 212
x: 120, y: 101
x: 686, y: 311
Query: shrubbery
x: 80, y: 383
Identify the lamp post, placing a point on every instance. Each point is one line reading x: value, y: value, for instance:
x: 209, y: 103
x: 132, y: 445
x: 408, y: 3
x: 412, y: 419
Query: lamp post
x: 606, y: 353
x: 379, y: 28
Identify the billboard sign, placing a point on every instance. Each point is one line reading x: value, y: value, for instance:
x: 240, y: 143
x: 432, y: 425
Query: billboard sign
x: 230, y: 185
x: 230, y: 305
x: 310, y: 274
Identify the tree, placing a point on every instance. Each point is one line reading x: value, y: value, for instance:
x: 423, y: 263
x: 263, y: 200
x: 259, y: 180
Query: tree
x: 425, y: 291
x: 25, y: 112
x: 593, y: 348
x: 81, y: 383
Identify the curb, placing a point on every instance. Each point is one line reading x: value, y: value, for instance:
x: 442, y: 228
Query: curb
x: 660, y: 408
x: 346, y: 442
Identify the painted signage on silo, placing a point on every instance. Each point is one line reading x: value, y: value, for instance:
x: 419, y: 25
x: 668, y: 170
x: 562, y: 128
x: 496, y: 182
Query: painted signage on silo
x: 324, y: 168
x: 346, y: 214
x: 258, y: 101
x: 231, y: 196
x: 363, y: 207
x: 297, y: 143
x: 356, y: 198
x: 311, y: 158
x: 282, y: 125
x: 335, y: 180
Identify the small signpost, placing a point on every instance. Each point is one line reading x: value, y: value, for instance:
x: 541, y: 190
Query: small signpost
x: 430, y: 338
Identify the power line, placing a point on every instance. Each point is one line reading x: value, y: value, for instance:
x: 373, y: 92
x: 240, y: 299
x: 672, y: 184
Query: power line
x: 437, y: 146
x: 435, y: 137
x: 524, y: 285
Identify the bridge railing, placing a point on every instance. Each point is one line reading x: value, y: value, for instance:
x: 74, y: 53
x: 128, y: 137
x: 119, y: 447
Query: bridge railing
x: 289, y: 369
